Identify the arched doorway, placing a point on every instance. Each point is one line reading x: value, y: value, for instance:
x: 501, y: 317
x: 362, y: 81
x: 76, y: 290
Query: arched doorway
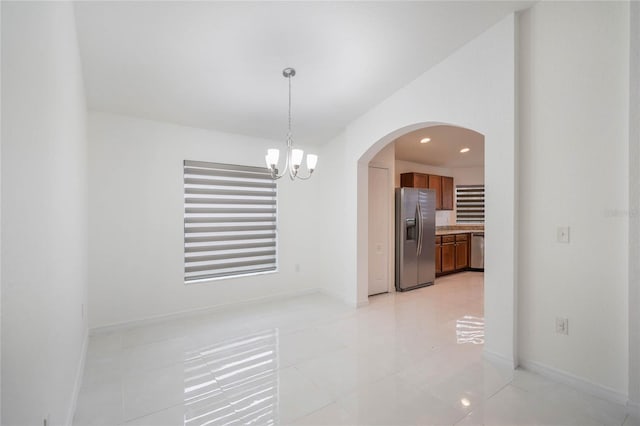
x: 500, y: 281
x: 454, y: 158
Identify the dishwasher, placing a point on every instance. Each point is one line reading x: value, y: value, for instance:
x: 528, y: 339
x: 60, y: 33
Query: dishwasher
x: 477, y: 251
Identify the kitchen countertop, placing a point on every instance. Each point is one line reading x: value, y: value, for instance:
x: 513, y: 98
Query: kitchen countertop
x: 457, y: 231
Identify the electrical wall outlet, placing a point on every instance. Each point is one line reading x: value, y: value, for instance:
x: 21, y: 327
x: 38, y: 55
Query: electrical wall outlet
x: 563, y: 234
x: 562, y: 326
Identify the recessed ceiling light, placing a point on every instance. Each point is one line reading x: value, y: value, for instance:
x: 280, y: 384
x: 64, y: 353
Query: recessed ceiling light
x: 463, y: 150
x: 425, y: 140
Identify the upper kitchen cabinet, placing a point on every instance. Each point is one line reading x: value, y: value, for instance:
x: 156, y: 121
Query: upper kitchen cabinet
x: 414, y: 180
x: 447, y: 193
x: 442, y: 185
x: 435, y: 183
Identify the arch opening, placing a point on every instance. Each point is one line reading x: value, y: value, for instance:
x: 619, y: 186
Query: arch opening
x: 499, y: 280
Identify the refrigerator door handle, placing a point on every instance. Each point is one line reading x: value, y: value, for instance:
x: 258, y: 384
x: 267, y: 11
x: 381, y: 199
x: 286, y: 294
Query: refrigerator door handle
x: 420, y: 229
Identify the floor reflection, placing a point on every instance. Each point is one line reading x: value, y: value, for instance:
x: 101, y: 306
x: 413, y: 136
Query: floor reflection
x: 233, y: 382
x: 470, y: 329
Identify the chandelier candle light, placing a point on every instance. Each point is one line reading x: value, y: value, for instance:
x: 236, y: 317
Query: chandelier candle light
x: 294, y: 156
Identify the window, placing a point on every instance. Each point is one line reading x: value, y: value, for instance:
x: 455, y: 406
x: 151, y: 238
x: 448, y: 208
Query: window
x: 470, y: 203
x: 229, y: 221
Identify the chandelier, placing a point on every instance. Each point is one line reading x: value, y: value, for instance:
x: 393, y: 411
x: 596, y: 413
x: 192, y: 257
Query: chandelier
x: 294, y: 156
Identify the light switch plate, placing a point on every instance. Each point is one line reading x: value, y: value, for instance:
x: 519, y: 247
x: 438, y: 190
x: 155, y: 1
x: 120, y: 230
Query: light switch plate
x: 562, y: 325
x: 563, y: 234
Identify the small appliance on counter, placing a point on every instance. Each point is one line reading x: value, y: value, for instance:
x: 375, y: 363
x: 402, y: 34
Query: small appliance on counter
x: 415, y: 238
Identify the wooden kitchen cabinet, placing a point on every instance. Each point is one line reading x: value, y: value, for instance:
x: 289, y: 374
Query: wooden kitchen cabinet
x: 414, y: 180
x: 462, y: 251
x: 438, y: 255
x: 447, y: 193
x: 448, y: 254
x: 435, y: 183
x: 448, y: 257
x: 452, y: 253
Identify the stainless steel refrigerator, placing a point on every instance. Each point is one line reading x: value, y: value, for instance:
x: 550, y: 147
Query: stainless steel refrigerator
x: 415, y: 238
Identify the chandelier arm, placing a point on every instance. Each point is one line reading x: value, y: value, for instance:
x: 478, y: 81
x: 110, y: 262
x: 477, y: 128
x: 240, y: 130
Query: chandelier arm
x: 276, y: 176
x: 274, y: 172
x: 286, y: 170
x: 304, y: 177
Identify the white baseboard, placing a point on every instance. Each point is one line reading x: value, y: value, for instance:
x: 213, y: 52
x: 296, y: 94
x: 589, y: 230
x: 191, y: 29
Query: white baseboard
x: 78, y: 381
x: 499, y: 359
x: 361, y: 303
x: 335, y: 295
x: 575, y: 382
x: 342, y: 298
x: 198, y: 311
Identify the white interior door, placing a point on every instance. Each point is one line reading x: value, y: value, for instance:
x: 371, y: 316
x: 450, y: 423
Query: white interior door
x: 378, y: 230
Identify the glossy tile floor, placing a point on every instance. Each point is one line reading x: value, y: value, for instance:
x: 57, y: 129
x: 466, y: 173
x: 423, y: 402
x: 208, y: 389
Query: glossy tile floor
x: 406, y: 359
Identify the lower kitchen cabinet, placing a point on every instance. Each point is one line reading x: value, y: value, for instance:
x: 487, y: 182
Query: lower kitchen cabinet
x: 448, y: 257
x: 452, y: 253
x: 462, y: 251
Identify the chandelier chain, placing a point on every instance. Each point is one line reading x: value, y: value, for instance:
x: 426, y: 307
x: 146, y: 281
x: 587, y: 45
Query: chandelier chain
x: 289, y: 78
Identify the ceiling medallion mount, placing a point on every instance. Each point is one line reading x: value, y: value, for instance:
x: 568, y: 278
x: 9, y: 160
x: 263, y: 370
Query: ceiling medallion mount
x: 294, y: 156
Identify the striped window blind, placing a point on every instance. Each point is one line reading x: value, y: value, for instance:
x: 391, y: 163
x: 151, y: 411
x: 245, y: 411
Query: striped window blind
x: 470, y: 203
x: 229, y: 220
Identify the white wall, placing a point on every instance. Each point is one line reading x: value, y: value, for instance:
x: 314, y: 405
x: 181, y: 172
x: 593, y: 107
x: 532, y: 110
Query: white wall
x: 468, y: 175
x: 473, y: 88
x: 332, y: 259
x: 44, y: 213
x: 574, y: 172
x: 136, y: 221
x: 386, y: 157
x: 634, y: 210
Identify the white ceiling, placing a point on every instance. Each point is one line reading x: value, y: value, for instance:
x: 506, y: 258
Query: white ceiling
x: 218, y: 65
x: 444, y: 148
